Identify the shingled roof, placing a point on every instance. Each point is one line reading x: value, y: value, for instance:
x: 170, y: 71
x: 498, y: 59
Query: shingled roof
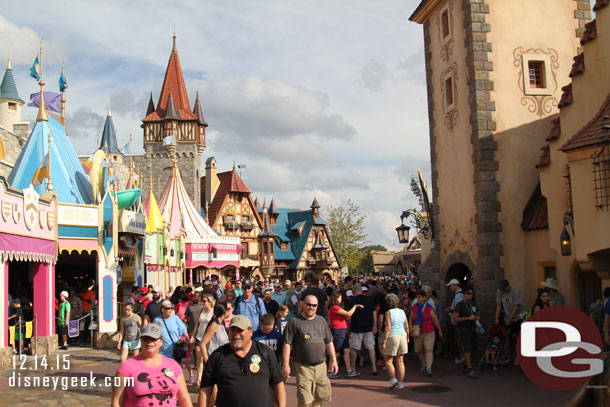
x: 230, y: 181
x: 174, y: 83
x: 578, y: 66
x: 8, y: 89
x: 535, y: 214
x: 590, y: 32
x: 555, y: 133
x: 593, y: 132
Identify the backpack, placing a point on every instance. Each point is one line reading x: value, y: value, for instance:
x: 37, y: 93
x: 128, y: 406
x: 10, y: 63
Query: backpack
x: 140, y: 308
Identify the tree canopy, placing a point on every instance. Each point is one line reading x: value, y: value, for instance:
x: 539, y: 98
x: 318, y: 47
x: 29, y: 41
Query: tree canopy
x: 366, y: 261
x: 346, y: 227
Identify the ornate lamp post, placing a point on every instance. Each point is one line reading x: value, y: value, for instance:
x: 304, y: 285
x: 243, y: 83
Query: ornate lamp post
x: 403, y: 233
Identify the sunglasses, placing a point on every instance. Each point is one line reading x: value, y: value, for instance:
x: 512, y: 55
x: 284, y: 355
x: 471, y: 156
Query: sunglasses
x: 311, y: 305
x: 167, y: 308
x: 247, y: 287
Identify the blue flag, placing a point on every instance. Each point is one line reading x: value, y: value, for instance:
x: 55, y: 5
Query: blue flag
x: 63, y: 83
x: 35, y: 70
x: 123, y: 148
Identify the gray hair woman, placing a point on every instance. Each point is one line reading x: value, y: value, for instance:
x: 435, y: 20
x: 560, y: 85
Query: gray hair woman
x: 395, y: 341
x: 172, y: 326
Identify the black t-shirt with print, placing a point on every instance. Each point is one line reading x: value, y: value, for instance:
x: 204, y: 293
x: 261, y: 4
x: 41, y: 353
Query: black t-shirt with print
x: 243, y: 382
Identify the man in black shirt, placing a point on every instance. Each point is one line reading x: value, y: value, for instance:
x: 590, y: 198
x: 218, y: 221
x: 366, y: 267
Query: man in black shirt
x: 270, y: 304
x: 244, y: 371
x: 153, y: 310
x: 363, y: 327
x: 313, y: 289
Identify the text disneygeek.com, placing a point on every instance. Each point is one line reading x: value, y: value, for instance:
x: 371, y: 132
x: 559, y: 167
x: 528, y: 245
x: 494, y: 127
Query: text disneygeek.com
x: 67, y: 382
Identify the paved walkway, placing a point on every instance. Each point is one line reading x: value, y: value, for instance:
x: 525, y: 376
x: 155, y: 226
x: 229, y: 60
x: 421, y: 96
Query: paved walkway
x: 448, y: 386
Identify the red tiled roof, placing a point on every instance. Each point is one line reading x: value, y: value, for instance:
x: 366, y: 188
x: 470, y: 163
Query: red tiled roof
x: 592, y: 133
x: 230, y: 181
x: 555, y: 133
x: 535, y: 213
x: 566, y: 96
x: 174, y: 82
x: 590, y: 32
x: 600, y: 4
x: 578, y: 66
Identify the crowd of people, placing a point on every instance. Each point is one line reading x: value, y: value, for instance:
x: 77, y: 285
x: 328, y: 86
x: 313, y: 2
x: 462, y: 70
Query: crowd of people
x: 235, y: 342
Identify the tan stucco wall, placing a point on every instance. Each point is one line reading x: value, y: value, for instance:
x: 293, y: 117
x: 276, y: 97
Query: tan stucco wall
x: 519, y: 130
x: 453, y: 146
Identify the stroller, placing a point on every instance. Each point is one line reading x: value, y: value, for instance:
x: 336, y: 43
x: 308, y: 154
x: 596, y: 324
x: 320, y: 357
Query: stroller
x: 500, y: 359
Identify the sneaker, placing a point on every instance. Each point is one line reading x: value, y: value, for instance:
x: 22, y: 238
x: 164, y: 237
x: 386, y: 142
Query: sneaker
x: 428, y: 372
x: 393, y: 383
x: 331, y: 375
x: 400, y: 385
x: 423, y: 369
x: 191, y: 379
x: 472, y: 374
x: 458, y: 360
x: 353, y: 373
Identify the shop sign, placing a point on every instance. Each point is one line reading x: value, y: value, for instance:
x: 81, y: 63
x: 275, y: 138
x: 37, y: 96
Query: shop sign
x: 132, y: 222
x: 77, y: 215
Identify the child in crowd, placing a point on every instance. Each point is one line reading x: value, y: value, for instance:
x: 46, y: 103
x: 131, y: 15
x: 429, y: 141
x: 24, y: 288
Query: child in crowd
x: 268, y: 335
x: 281, y: 321
x: 492, y: 349
x: 129, y: 334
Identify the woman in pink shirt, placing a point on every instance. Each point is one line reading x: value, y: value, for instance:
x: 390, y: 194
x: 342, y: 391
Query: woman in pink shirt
x: 150, y: 378
x: 424, y: 319
x: 338, y: 326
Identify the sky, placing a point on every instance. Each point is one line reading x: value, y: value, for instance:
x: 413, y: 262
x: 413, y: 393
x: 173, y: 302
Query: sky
x: 317, y: 99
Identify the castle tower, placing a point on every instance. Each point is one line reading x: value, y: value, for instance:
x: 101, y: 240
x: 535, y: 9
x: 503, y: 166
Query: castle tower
x: 173, y: 121
x: 494, y: 71
x: 10, y: 102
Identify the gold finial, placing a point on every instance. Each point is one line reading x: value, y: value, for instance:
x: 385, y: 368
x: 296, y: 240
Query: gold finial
x: 62, y: 118
x: 42, y: 114
x: 109, y: 113
x: 49, y: 181
x: 234, y: 170
x: 206, y: 213
x: 8, y: 65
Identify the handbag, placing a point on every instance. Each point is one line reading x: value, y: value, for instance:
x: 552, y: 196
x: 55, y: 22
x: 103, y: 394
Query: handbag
x: 179, y: 348
x: 415, y: 331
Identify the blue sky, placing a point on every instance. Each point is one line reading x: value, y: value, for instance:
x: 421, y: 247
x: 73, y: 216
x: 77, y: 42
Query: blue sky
x: 314, y: 97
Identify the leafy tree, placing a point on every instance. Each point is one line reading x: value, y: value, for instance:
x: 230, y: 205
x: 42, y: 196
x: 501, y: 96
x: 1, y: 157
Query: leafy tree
x: 346, y: 227
x: 366, y: 261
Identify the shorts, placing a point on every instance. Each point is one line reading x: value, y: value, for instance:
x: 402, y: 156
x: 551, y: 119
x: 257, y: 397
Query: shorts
x: 357, y: 339
x: 131, y: 345
x: 468, y: 337
x: 340, y: 339
x: 396, y: 345
x: 313, y: 384
x: 62, y: 329
x: 425, y: 342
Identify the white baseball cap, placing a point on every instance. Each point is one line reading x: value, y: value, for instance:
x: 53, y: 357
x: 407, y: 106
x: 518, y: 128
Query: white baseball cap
x: 452, y: 282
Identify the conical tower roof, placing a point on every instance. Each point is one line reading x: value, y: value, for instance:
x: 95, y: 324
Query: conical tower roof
x: 71, y: 183
x: 171, y: 112
x: 8, y: 89
x: 154, y: 219
x: 198, y: 111
x: 174, y: 83
x: 109, y: 136
x: 151, y: 105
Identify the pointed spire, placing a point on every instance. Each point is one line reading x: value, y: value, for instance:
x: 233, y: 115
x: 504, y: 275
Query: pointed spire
x: 109, y: 113
x: 234, y: 168
x: 8, y: 65
x: 42, y: 114
x: 108, y: 140
x: 198, y: 111
x: 171, y: 112
x: 174, y: 50
x: 8, y: 89
x: 151, y: 105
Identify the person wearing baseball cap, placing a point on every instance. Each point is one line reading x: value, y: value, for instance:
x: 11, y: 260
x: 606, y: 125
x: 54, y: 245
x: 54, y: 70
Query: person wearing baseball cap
x: 250, y: 305
x: 510, y: 312
x: 153, y: 309
x: 152, y: 375
x: 63, y: 317
x: 454, y: 286
x: 242, y: 370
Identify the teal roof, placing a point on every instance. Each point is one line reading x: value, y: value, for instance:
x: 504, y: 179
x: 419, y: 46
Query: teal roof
x: 297, y: 244
x: 109, y: 136
x: 70, y: 182
x: 282, y: 229
x: 8, y: 90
